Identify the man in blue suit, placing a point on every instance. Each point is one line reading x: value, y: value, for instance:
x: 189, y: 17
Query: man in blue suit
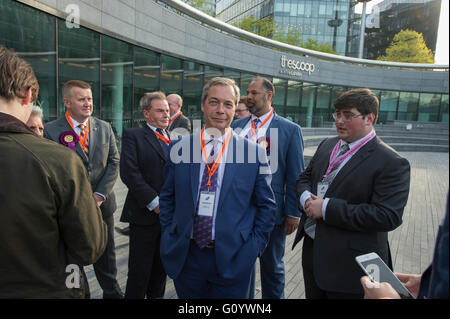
x: 216, y: 207
x: 284, y: 143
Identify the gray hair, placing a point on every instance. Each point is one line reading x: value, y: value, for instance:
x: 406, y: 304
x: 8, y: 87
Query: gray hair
x: 37, y: 111
x: 221, y: 81
x: 146, y: 101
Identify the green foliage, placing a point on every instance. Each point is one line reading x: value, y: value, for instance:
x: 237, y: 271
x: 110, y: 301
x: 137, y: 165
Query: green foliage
x: 314, y: 45
x: 408, y: 46
x: 201, y: 5
x: 268, y: 28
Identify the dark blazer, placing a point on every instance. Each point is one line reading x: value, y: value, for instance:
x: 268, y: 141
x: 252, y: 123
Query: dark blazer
x: 181, y: 122
x: 367, y: 198
x: 142, y: 171
x: 290, y: 163
x: 103, y: 163
x: 245, y: 212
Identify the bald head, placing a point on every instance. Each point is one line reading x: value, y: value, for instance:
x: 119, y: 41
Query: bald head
x: 175, y: 103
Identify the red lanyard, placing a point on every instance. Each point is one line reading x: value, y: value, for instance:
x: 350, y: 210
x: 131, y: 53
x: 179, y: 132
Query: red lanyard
x: 171, y: 121
x: 84, y: 140
x: 162, y: 138
x: 254, y: 130
x: 211, y: 170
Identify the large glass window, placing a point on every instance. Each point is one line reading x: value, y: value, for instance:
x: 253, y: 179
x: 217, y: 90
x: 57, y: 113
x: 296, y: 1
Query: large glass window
x: 192, y: 90
x: 322, y: 111
x: 171, y: 74
x: 308, y: 101
x: 246, y: 78
x: 146, y: 79
x: 280, y: 95
x: 444, y: 108
x: 293, y: 101
x: 80, y: 62
x: 212, y: 72
x: 429, y: 107
x: 32, y: 34
x: 388, y: 106
x: 407, y: 106
x: 117, y: 83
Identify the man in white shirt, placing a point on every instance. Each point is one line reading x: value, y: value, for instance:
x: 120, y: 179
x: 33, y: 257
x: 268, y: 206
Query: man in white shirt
x: 94, y: 142
x: 352, y: 193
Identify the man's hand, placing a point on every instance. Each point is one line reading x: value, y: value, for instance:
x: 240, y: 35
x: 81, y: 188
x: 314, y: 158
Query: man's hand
x: 99, y: 199
x: 290, y: 224
x: 156, y: 210
x: 313, y: 207
x: 375, y: 290
x: 411, y: 282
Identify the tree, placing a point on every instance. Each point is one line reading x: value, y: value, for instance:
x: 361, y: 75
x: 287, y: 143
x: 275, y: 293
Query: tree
x: 201, y: 5
x: 408, y: 46
x: 314, y: 45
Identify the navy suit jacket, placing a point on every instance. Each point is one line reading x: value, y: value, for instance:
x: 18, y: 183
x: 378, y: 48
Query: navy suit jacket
x: 245, y: 212
x: 142, y: 171
x: 287, y: 145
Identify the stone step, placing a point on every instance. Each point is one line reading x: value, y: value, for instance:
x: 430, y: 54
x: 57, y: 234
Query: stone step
x: 315, y: 140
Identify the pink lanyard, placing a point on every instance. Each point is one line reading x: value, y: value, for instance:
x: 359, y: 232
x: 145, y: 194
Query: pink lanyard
x: 334, y: 162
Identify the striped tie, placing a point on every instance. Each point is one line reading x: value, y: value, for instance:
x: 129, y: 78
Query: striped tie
x: 82, y: 133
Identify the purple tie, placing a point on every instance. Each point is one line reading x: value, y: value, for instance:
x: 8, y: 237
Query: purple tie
x: 250, y: 132
x: 203, y: 224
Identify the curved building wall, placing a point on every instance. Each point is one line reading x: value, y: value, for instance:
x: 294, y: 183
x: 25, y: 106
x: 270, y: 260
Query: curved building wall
x: 125, y: 48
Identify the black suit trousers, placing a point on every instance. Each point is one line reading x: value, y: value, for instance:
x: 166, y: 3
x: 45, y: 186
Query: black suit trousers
x: 146, y: 274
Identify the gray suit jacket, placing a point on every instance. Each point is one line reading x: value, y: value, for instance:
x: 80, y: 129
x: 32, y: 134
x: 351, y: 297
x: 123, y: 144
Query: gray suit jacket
x: 103, y: 163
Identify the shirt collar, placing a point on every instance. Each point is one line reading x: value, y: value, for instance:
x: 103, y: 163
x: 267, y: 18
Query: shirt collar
x: 353, y: 144
x: 76, y: 123
x: 262, y: 118
x: 174, y: 115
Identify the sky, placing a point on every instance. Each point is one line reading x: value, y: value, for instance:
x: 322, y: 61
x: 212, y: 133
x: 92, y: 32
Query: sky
x: 442, y: 49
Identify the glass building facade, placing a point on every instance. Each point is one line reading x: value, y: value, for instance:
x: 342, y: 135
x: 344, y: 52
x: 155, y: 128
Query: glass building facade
x: 120, y: 73
x: 332, y: 22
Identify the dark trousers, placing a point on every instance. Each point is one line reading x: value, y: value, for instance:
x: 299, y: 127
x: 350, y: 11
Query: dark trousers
x: 146, y: 274
x: 105, y: 267
x: 199, y: 278
x: 312, y: 290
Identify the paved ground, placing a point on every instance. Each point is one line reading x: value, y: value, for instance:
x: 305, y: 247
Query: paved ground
x: 412, y: 244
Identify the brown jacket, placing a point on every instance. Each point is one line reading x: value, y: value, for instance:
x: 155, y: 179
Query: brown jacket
x: 46, y: 211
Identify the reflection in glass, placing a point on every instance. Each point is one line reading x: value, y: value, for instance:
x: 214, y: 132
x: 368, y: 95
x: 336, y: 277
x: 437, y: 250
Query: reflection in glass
x: 407, y: 106
x: 32, y: 35
x: 388, y: 106
x: 117, y: 72
x: 171, y: 74
x: 429, y: 107
x: 192, y: 90
x: 146, y: 79
x: 80, y: 62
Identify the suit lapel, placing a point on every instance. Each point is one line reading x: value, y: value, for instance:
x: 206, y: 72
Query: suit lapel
x: 195, y: 168
x: 93, y: 138
x: 153, y: 141
x: 65, y: 126
x: 353, y: 163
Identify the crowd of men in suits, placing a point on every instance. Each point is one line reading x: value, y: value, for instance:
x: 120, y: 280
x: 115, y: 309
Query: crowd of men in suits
x: 239, y: 189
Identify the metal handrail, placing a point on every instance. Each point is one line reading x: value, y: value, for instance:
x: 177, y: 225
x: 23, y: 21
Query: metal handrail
x: 216, y: 23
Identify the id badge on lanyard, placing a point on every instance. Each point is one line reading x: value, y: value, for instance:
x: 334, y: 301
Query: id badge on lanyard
x: 206, y: 203
x: 322, y: 188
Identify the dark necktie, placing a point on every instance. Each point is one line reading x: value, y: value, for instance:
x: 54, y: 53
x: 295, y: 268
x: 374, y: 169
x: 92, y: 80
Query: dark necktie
x: 202, y: 233
x: 163, y: 144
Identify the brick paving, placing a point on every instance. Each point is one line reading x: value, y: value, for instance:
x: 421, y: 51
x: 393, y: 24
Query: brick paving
x: 412, y: 244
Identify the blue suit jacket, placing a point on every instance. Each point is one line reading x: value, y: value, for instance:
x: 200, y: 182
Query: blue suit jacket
x: 290, y: 163
x: 245, y: 212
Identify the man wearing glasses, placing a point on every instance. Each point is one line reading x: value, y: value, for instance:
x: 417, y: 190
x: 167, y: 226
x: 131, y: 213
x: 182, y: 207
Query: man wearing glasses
x: 352, y: 193
x: 242, y: 109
